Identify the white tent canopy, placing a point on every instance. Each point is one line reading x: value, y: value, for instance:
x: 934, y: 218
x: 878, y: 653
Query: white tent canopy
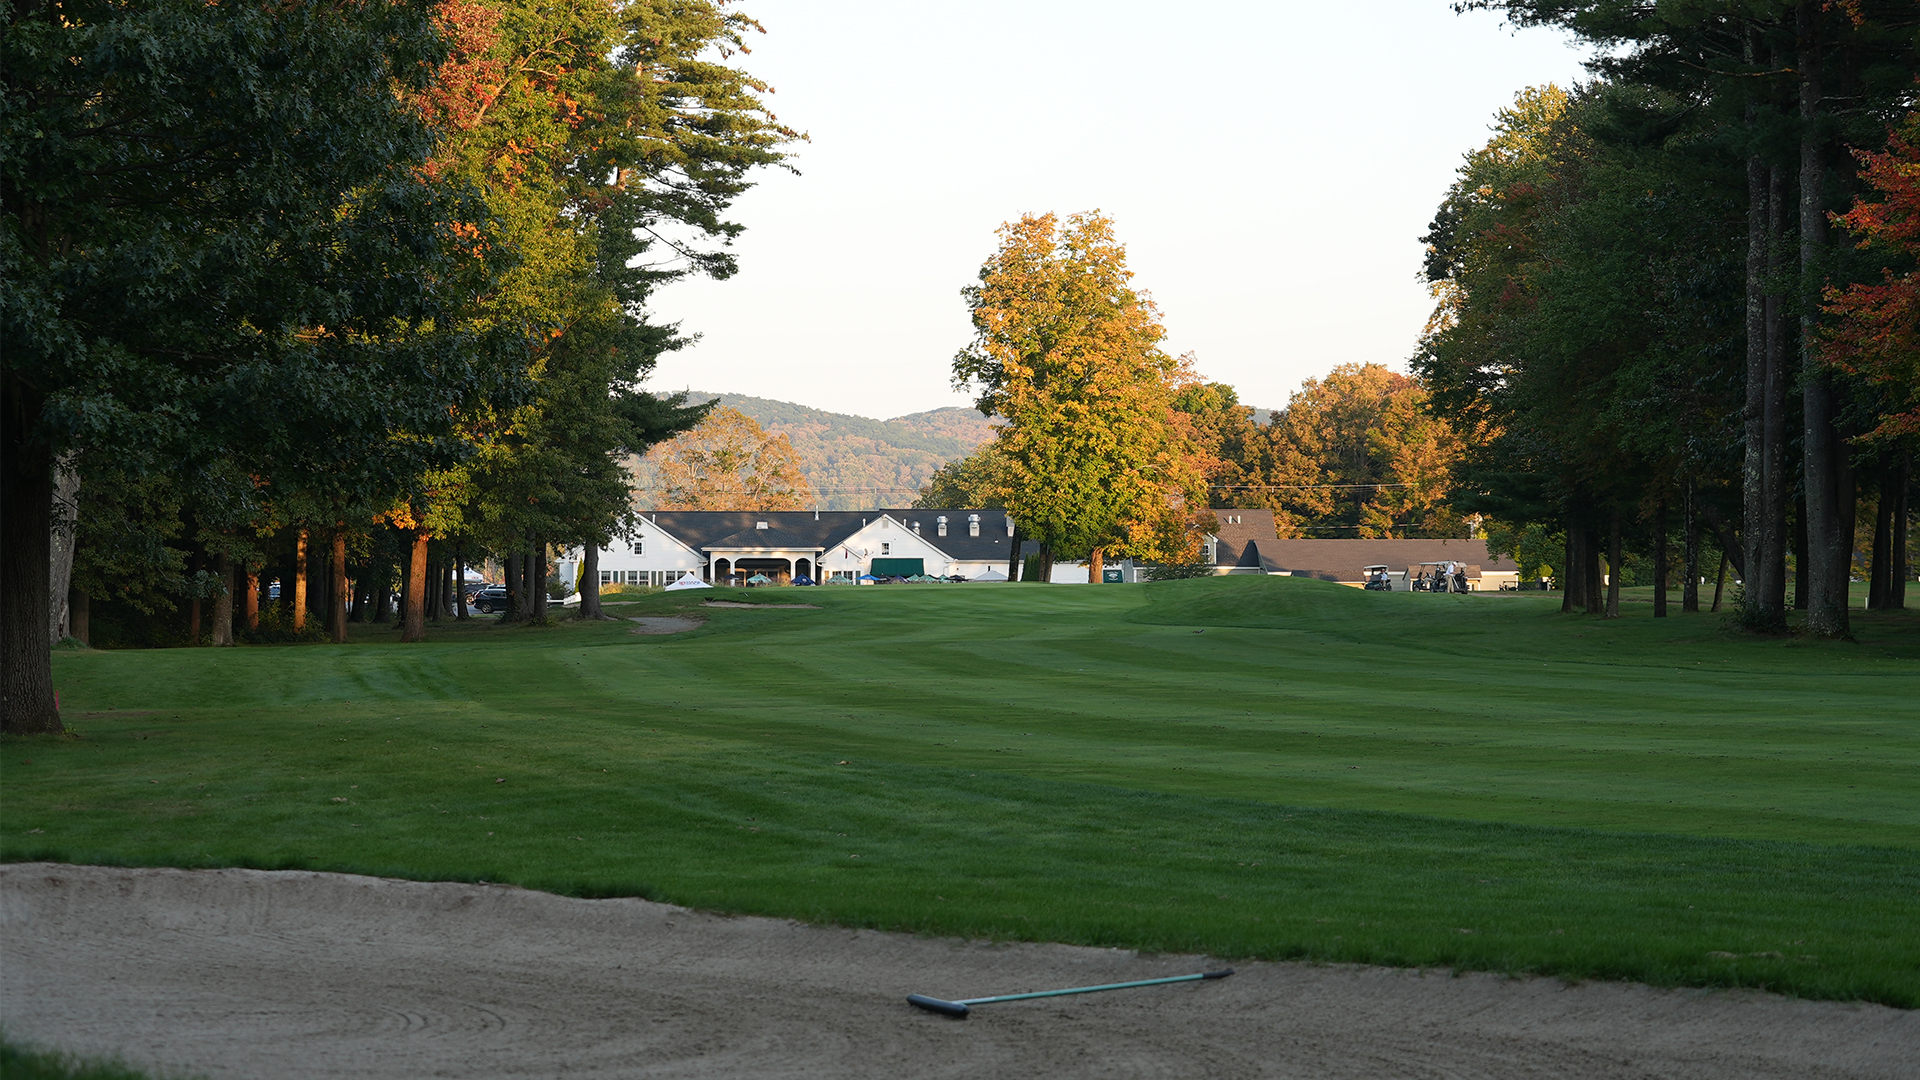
x: 688, y: 581
x: 991, y: 575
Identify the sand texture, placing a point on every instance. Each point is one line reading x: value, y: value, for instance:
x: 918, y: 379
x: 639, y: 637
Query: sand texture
x: 239, y: 973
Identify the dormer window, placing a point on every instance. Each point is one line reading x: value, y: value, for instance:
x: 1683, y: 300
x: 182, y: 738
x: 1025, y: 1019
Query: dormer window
x: 759, y: 524
x: 943, y: 525
x: 973, y: 526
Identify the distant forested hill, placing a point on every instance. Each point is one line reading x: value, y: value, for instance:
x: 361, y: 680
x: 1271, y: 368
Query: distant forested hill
x: 852, y: 462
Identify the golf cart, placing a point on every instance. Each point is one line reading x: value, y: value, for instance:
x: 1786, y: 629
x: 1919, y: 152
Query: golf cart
x: 1377, y: 579
x: 1445, y: 577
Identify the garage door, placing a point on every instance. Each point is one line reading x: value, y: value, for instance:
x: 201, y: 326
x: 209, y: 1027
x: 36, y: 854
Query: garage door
x: 898, y: 567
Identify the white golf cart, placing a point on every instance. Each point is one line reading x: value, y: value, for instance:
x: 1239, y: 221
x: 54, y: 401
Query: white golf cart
x: 1446, y: 576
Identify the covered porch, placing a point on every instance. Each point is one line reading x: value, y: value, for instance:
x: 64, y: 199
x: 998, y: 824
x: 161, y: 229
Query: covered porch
x: 778, y: 557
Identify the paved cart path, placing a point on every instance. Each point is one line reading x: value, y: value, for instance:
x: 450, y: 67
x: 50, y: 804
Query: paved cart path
x: 239, y: 973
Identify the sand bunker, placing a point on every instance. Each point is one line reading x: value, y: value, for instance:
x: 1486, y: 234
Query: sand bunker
x: 664, y: 624
x: 242, y: 973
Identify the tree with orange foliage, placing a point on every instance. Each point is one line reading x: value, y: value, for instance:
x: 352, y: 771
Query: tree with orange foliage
x: 1358, y: 454
x: 1093, y: 457
x: 1878, y: 337
x: 728, y: 462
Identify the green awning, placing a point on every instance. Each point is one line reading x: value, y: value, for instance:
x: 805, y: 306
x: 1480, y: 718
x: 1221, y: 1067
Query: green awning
x: 898, y: 567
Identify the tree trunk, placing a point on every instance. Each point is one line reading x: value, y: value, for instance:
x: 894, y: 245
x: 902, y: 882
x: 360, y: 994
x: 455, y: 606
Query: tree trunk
x: 1753, y: 473
x: 1660, y: 560
x: 27, y: 703
x: 337, y: 587
x: 414, y: 628
x: 1826, y: 470
x: 1800, y: 554
x: 1613, y: 563
x: 1903, y: 491
x: 193, y: 607
x: 1096, y: 566
x: 537, y: 580
x: 1763, y: 602
x: 1046, y: 563
x: 379, y: 580
x: 1596, y: 592
x: 251, y: 608
x: 460, y: 584
x: 590, y: 581
x: 299, y: 582
x: 1572, y: 583
x: 1720, y: 581
x: 80, y: 616
x: 516, y: 599
x: 1880, y: 553
x: 1013, y: 557
x: 1690, y: 592
x: 223, y: 601
x: 66, y: 515
x: 319, y: 579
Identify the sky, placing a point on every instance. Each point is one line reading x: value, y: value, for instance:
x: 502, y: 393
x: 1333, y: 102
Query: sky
x: 1270, y: 167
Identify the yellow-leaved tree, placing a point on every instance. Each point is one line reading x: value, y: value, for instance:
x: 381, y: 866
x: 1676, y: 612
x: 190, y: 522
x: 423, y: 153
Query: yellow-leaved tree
x: 1092, y: 457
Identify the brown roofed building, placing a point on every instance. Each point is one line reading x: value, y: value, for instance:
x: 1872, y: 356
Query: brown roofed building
x: 1246, y: 542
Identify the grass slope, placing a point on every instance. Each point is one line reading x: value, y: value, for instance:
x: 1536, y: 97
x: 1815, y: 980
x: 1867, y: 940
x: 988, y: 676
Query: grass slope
x: 19, y: 1062
x: 1250, y: 767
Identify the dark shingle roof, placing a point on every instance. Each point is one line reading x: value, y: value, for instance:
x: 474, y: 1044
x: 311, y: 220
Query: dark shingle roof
x: 1341, y: 560
x: 1247, y: 540
x: 991, y: 544
x: 764, y: 539
x: 1236, y: 531
x: 700, y: 529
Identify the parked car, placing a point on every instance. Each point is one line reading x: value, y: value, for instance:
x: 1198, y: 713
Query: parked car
x: 490, y: 599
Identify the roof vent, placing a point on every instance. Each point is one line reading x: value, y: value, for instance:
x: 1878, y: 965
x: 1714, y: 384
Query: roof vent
x: 759, y: 524
x: 943, y: 524
x: 916, y: 528
x: 1009, y: 526
x: 973, y: 525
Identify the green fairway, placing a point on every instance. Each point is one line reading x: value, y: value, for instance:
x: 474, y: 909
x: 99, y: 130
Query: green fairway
x: 1257, y: 767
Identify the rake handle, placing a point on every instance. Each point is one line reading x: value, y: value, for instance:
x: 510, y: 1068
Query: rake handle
x: 960, y: 1008
x: 1094, y: 989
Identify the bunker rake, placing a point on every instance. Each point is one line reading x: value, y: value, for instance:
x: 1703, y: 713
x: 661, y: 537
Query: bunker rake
x: 960, y: 1008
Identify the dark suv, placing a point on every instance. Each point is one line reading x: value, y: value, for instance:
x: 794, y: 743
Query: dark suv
x: 491, y: 598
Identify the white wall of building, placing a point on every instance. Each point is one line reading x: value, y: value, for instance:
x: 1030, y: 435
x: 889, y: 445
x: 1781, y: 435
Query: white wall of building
x: 884, y: 538
x: 650, y: 557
